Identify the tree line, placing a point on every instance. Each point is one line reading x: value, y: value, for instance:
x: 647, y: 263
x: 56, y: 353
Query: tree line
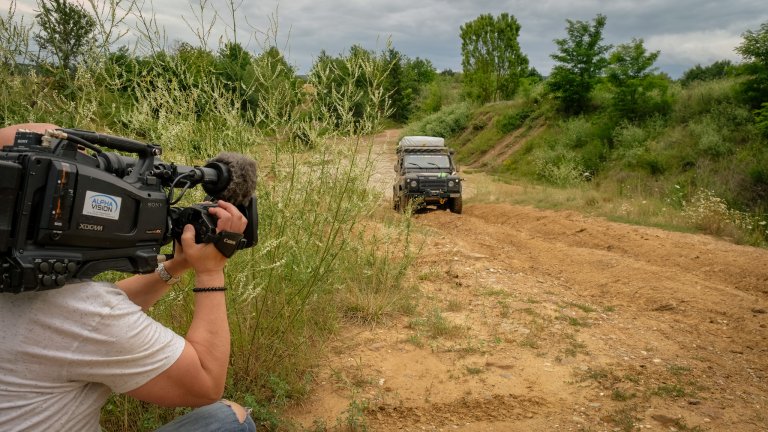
x: 493, y: 66
x: 69, y: 38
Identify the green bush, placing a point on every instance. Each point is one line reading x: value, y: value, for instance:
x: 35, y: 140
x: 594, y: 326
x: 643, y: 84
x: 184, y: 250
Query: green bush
x: 629, y: 136
x: 709, y: 139
x: 510, y: 121
x: 444, y: 123
x: 558, y: 168
x: 575, y: 132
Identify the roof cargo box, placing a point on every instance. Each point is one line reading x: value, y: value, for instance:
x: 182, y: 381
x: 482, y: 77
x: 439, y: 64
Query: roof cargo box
x: 421, y: 141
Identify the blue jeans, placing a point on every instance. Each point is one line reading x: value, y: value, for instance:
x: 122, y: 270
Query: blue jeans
x: 216, y: 417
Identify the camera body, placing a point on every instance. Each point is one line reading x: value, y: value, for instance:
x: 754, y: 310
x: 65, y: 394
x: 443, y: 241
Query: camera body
x: 65, y: 214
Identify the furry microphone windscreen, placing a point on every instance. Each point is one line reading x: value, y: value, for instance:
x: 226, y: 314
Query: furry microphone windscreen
x: 242, y: 177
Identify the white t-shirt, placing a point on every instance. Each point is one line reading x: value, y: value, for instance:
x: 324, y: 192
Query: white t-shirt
x: 64, y: 351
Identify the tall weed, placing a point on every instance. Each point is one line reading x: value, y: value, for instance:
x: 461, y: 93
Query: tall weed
x: 709, y: 137
x: 711, y: 214
x: 289, y: 293
x: 322, y: 257
x: 700, y: 97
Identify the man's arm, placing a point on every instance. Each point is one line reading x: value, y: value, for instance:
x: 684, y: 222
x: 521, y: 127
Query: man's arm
x: 146, y: 289
x: 198, y: 376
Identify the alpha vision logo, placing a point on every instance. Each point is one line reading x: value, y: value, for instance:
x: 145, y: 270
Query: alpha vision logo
x: 102, y: 205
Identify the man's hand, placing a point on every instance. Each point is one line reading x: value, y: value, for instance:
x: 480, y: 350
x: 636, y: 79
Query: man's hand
x: 146, y: 289
x: 205, y: 258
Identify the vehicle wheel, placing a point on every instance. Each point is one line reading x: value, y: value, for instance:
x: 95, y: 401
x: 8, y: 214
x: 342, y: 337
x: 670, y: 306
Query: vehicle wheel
x: 395, y: 203
x: 456, y: 205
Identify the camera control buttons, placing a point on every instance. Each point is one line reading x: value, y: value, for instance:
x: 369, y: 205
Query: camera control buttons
x: 44, y: 267
x: 53, y: 274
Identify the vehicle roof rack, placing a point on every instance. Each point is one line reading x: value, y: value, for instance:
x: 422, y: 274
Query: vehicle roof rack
x: 421, y: 142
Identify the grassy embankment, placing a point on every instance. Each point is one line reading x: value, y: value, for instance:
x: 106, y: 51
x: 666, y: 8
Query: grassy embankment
x: 324, y: 255
x: 700, y: 167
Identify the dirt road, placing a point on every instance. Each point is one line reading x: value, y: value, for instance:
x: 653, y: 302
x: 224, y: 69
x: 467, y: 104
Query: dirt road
x: 534, y: 320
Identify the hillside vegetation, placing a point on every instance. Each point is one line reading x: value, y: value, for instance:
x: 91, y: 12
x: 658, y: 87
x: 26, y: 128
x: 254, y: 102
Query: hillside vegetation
x: 317, y: 262
x: 612, y: 133
x: 702, y: 164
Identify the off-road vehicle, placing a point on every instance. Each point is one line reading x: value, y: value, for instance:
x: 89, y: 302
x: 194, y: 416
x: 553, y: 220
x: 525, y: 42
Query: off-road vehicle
x: 425, y: 175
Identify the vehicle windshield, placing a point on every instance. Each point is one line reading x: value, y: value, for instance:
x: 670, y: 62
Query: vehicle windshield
x: 433, y: 161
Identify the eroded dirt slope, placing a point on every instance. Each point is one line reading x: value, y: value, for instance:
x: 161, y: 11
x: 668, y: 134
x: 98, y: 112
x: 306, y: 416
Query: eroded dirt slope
x: 536, y: 320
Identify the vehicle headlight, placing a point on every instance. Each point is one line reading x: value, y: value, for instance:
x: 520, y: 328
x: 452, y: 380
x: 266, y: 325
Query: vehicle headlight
x: 451, y: 183
x: 414, y: 183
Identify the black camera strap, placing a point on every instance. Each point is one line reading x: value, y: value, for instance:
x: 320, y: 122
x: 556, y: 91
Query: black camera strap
x: 227, y: 242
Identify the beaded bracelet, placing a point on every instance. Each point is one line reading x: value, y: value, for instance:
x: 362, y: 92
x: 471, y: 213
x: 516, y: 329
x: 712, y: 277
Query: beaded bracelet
x: 209, y: 289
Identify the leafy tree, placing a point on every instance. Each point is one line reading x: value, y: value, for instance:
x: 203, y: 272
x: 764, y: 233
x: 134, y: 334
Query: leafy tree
x: 194, y: 66
x: 234, y: 64
x: 272, y: 97
x: 434, y: 96
x: 272, y: 69
x: 633, y: 77
x: 581, y: 60
x: 400, y: 96
x: 420, y: 71
x: 754, y: 49
x: 492, y: 60
x: 534, y: 75
x: 67, y: 30
x: 344, y: 84
x: 420, y: 74
x: 717, y: 70
x: 405, y: 80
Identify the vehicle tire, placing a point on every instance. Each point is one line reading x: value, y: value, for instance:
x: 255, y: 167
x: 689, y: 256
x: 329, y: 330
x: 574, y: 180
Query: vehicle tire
x: 456, y: 205
x: 395, y: 203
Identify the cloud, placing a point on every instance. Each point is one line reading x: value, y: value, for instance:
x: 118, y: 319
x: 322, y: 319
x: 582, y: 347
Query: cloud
x: 687, y: 32
x: 700, y: 47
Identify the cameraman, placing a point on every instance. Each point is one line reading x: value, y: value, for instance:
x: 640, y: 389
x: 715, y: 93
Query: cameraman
x: 64, y: 351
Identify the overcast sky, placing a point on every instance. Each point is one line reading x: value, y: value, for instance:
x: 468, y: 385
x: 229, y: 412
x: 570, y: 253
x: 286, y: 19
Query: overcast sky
x: 687, y: 32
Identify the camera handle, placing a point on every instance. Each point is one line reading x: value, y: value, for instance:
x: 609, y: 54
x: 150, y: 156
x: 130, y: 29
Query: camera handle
x: 116, y: 143
x: 146, y: 152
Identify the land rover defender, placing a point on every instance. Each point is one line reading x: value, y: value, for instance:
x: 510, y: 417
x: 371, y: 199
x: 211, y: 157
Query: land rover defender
x: 425, y: 175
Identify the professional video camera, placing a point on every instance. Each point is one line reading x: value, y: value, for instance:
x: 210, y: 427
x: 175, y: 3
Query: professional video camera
x: 66, y: 214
